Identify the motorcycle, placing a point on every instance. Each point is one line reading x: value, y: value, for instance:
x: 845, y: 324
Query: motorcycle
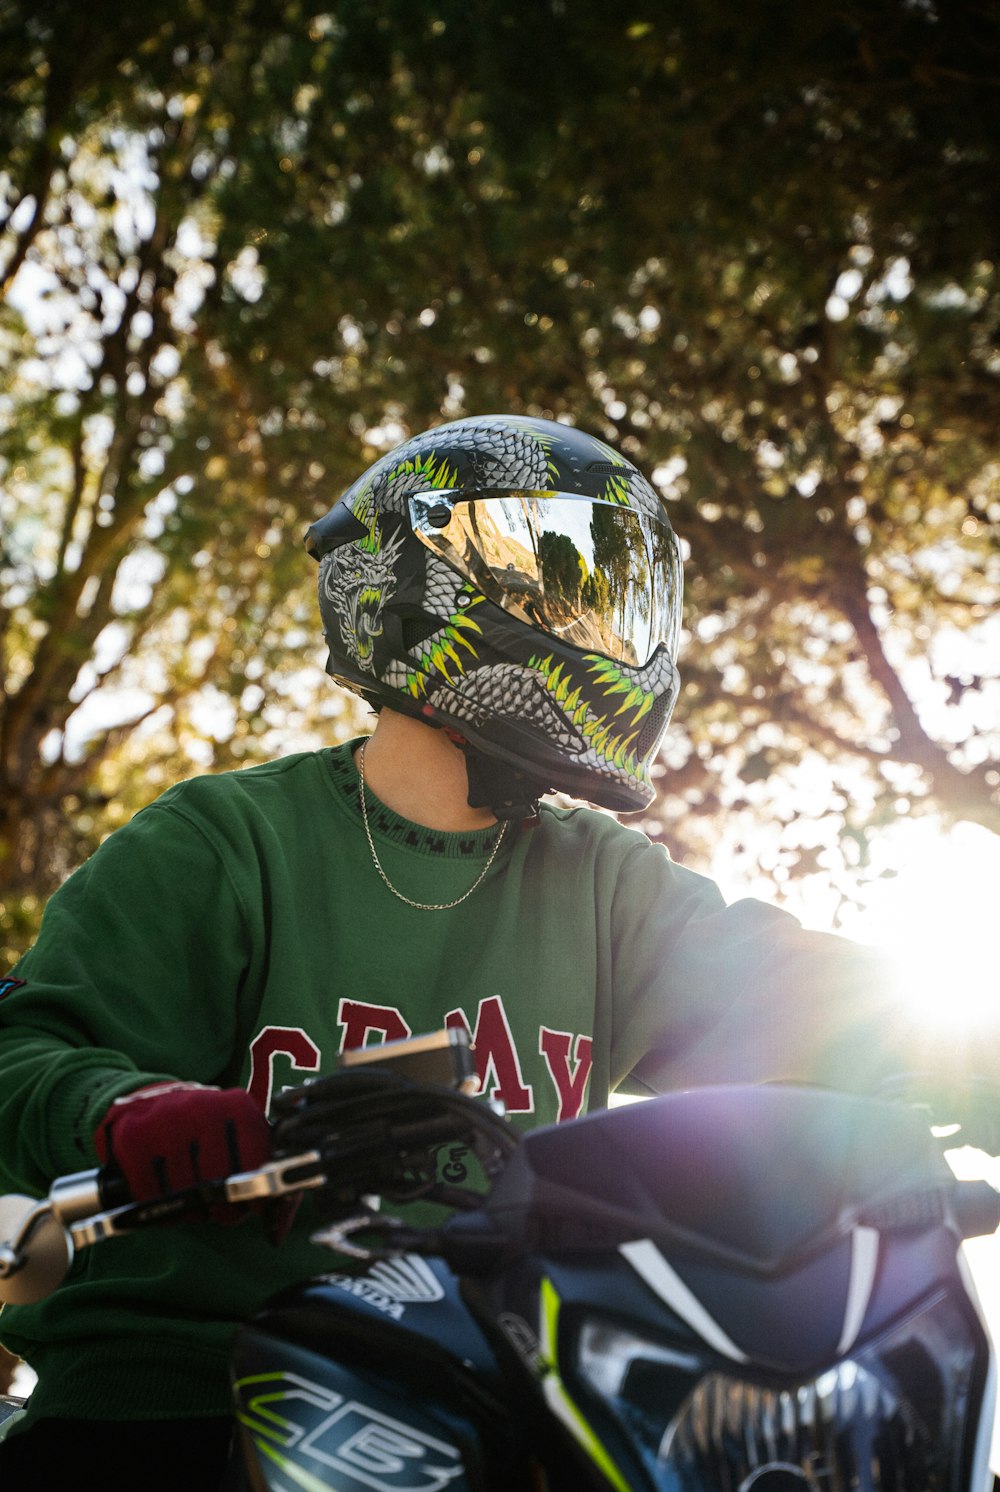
x: 717, y: 1290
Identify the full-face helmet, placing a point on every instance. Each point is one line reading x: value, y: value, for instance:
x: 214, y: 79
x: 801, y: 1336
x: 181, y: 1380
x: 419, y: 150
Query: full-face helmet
x: 517, y: 582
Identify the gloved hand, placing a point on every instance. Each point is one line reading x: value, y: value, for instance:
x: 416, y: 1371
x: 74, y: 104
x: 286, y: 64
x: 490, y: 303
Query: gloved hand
x: 174, y: 1135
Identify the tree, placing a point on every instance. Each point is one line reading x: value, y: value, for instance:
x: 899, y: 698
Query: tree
x: 146, y: 557
x: 753, y: 247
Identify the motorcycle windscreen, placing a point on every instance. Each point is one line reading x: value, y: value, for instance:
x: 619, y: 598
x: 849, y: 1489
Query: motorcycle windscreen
x: 599, y: 576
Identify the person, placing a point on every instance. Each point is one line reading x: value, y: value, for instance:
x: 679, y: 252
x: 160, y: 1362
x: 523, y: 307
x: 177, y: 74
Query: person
x: 506, y: 594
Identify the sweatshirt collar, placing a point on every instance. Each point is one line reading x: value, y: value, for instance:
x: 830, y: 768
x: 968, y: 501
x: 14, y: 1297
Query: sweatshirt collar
x: 467, y: 844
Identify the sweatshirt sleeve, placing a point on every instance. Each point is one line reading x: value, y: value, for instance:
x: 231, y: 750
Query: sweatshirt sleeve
x: 135, y: 976
x: 712, y: 993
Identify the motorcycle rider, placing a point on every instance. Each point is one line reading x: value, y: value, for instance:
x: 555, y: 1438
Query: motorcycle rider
x: 505, y: 593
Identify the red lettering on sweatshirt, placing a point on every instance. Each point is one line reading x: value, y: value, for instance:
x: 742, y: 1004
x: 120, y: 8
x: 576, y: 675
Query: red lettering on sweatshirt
x: 496, y: 1055
x: 358, y: 1019
x: 571, y: 1086
x: 279, y: 1041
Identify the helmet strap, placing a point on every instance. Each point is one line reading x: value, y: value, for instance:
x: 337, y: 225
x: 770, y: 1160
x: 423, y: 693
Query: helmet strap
x: 496, y: 785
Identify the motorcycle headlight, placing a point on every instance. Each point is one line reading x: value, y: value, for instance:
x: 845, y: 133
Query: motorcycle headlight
x: 898, y: 1416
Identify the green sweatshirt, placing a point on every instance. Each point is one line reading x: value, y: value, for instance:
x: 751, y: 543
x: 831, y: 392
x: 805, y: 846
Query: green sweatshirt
x: 236, y: 932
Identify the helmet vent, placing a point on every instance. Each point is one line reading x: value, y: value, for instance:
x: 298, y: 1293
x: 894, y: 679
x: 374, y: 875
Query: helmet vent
x: 654, y: 726
x: 608, y: 468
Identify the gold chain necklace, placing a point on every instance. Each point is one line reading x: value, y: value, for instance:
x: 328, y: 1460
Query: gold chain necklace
x: 421, y: 906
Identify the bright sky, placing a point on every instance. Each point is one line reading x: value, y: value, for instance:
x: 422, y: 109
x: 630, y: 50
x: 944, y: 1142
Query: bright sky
x: 937, y: 918
x: 935, y: 912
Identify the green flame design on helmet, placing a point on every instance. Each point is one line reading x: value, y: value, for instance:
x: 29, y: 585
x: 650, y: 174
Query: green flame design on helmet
x: 433, y: 472
x: 615, y: 747
x: 366, y: 512
x: 441, y: 651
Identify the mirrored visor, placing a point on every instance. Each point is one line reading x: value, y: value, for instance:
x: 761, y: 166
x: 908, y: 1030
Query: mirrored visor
x: 596, y: 575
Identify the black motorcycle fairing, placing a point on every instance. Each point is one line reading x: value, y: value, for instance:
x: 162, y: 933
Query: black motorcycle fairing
x: 642, y: 1402
x: 753, y: 1175
x: 410, y: 1306
x: 413, y: 1382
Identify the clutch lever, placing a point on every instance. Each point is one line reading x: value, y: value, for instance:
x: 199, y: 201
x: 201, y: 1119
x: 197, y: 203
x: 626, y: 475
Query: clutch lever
x: 278, y: 1178
x: 38, y: 1239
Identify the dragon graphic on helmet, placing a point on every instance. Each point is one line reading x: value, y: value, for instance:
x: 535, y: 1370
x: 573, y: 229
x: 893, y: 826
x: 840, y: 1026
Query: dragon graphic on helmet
x: 517, y: 582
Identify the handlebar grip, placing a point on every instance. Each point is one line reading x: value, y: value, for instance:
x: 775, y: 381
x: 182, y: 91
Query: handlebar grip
x: 86, y: 1192
x: 112, y: 1188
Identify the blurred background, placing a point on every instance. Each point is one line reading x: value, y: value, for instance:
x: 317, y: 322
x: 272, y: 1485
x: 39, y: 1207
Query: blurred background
x: 246, y: 249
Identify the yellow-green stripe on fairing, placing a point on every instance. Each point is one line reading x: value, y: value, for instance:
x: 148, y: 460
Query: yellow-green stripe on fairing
x: 253, y: 1414
x: 557, y: 1396
x: 297, y: 1474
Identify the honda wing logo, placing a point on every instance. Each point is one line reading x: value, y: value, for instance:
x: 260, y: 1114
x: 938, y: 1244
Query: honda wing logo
x: 410, y: 1280
x: 390, y: 1286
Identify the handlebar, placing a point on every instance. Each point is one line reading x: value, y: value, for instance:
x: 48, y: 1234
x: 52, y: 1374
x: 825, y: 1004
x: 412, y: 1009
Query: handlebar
x: 371, y: 1128
x: 365, y: 1130
x: 39, y: 1239
x: 42, y: 1237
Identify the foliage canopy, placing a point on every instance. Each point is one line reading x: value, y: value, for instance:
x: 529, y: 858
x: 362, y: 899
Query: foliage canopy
x: 756, y: 247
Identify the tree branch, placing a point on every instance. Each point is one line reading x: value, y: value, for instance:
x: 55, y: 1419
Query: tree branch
x: 966, y: 794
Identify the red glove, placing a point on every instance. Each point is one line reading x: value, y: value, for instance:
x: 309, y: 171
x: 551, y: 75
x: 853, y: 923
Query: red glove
x: 174, y: 1135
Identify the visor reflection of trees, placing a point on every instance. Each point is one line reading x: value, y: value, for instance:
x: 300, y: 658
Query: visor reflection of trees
x: 529, y: 553
x: 620, y: 559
